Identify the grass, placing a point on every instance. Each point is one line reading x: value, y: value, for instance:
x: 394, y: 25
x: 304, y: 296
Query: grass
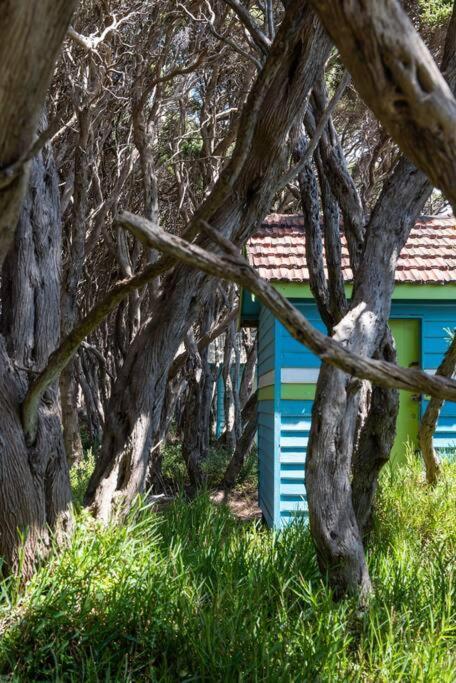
x: 193, y: 595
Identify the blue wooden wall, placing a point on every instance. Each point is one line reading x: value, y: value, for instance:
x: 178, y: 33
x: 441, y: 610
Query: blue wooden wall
x: 284, y: 421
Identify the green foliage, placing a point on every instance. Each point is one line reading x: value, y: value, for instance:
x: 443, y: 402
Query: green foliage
x: 80, y: 475
x: 175, y: 473
x: 435, y: 12
x: 192, y: 595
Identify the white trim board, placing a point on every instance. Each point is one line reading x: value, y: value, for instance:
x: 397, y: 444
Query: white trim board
x: 299, y: 375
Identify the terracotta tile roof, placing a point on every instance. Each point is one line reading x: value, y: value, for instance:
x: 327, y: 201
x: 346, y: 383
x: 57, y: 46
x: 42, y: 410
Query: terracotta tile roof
x: 277, y: 251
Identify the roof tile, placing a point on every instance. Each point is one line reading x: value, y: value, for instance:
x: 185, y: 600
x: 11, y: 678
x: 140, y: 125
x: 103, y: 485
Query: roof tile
x: 278, y: 251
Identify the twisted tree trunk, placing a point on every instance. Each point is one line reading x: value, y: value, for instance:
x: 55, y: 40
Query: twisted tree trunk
x: 31, y: 34
x: 333, y: 520
x: 35, y: 492
x: 243, y: 446
x: 340, y: 509
x: 194, y: 443
x: 375, y: 443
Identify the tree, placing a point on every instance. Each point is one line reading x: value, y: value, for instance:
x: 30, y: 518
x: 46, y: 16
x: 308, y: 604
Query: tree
x: 34, y: 484
x: 240, y: 198
x: 430, y: 418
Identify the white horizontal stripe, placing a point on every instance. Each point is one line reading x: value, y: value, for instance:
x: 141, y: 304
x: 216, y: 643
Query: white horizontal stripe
x: 293, y: 506
x: 292, y: 459
x: 310, y: 375
x: 293, y: 474
x: 294, y: 441
x: 300, y: 375
x: 266, y: 380
x: 444, y: 443
x: 300, y: 426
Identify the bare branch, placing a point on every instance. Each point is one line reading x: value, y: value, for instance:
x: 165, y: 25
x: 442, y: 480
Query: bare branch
x: 204, y: 341
x: 237, y: 269
x: 93, y: 41
x: 259, y: 38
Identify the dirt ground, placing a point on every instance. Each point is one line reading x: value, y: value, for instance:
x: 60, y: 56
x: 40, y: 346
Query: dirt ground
x: 243, y: 503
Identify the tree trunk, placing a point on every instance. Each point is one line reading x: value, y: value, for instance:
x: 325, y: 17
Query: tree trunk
x: 431, y: 416
x: 339, y: 519
x: 88, y: 381
x: 243, y: 446
x: 333, y: 520
x: 375, y: 444
x: 193, y: 439
x: 248, y: 375
x: 69, y: 391
x: 34, y: 485
x: 229, y: 433
x: 240, y: 199
x: 31, y: 34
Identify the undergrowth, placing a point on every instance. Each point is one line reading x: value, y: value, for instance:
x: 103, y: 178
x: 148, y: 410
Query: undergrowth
x: 193, y: 595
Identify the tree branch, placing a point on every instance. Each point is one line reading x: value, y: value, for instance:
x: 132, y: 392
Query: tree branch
x: 259, y: 38
x: 398, y: 79
x: 313, y: 143
x: 236, y: 269
x: 431, y: 415
x: 204, y: 341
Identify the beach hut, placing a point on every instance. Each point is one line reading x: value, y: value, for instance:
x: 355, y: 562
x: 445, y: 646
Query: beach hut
x: 423, y: 316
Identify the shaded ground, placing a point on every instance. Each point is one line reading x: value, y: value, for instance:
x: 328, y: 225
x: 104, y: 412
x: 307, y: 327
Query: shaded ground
x: 242, y: 503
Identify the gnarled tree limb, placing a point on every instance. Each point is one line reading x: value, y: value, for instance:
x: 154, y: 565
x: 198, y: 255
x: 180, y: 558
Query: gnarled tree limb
x: 397, y: 77
x: 235, y: 268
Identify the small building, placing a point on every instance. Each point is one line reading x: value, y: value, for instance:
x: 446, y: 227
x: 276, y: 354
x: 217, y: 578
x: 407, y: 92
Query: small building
x: 423, y: 316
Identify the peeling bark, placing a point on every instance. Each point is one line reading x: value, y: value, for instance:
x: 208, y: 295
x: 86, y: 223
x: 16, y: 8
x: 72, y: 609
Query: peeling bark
x: 333, y: 520
x: 31, y: 34
x: 375, y: 443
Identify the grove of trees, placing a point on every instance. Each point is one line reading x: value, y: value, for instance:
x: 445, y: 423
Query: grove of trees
x: 141, y: 144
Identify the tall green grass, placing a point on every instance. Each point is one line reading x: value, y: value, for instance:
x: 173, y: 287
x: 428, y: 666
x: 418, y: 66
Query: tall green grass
x: 193, y: 595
